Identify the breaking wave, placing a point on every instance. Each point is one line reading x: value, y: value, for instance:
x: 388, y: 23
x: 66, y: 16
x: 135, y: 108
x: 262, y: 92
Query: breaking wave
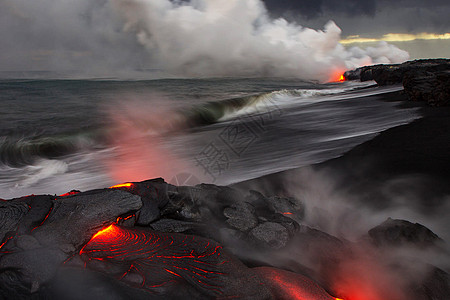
x: 19, y: 152
x: 217, y: 111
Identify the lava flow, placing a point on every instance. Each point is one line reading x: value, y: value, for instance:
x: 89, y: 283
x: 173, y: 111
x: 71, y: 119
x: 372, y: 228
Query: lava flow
x: 162, y: 263
x: 71, y: 193
x: 122, y: 185
x: 153, y: 260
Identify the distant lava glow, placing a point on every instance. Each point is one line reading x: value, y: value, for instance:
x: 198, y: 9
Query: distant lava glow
x: 337, y: 76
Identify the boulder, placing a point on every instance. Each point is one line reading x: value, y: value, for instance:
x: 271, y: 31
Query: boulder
x: 399, y: 232
x: 270, y: 235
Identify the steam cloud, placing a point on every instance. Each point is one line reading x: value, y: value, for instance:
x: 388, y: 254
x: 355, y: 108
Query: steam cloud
x: 188, y: 38
x: 364, y: 271
x: 238, y: 38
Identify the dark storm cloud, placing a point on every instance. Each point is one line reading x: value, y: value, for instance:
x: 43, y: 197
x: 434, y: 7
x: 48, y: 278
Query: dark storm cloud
x: 371, y: 16
x: 93, y: 36
x: 314, y: 8
x: 64, y: 35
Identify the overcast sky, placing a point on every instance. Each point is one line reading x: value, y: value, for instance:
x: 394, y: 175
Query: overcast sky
x: 67, y: 35
x: 368, y: 17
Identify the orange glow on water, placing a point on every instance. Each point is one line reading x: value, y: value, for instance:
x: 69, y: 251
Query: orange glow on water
x: 128, y: 184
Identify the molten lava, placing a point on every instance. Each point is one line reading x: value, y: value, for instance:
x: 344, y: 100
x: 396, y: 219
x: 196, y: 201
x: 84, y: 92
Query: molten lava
x: 107, y: 233
x: 337, y: 76
x: 170, y: 262
x: 69, y: 193
x: 157, y: 258
x: 4, y: 243
x: 128, y: 184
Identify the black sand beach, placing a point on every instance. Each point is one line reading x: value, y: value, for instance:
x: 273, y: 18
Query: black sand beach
x: 419, y: 150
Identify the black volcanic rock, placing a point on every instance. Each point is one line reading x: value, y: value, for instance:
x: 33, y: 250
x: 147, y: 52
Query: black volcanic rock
x: 393, y: 74
x: 430, y: 87
x: 436, y: 285
x: 11, y: 213
x: 39, y: 208
x: 170, y: 225
x: 423, y: 80
x: 270, y: 235
x: 241, y: 217
x: 399, y: 232
x: 197, y: 242
x: 73, y: 220
x: 154, y: 196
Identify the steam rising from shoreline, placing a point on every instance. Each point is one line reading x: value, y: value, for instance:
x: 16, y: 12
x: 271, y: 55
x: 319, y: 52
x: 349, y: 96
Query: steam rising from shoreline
x: 238, y: 38
x: 202, y: 38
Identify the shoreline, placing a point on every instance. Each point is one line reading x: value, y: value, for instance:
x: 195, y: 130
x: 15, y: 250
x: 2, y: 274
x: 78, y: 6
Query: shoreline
x: 433, y: 121
x: 322, y: 247
x: 410, y: 160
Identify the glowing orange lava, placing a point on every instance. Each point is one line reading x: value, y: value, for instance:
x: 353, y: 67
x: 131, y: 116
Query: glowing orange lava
x: 288, y: 285
x: 128, y: 184
x: 337, y: 75
x: 69, y: 194
x: 106, y: 233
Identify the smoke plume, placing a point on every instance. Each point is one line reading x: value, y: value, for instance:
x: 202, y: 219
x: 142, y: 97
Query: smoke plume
x: 238, y: 38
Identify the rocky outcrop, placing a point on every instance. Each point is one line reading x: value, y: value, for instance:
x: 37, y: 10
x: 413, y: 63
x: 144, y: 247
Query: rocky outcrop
x: 394, y: 73
x: 400, y: 232
x: 423, y: 80
x: 430, y: 87
x: 153, y: 240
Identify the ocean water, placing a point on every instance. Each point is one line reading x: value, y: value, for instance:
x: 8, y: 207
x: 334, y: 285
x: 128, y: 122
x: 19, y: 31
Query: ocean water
x: 59, y: 135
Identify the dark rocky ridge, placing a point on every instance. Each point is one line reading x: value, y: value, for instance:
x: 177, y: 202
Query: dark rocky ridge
x: 170, y: 242
x: 423, y: 80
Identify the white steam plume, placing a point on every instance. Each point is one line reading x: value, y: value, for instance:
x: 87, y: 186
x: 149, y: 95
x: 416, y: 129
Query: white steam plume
x: 238, y: 38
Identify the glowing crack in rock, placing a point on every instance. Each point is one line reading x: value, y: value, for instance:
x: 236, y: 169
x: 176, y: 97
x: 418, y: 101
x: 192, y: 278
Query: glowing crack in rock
x: 158, y: 261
